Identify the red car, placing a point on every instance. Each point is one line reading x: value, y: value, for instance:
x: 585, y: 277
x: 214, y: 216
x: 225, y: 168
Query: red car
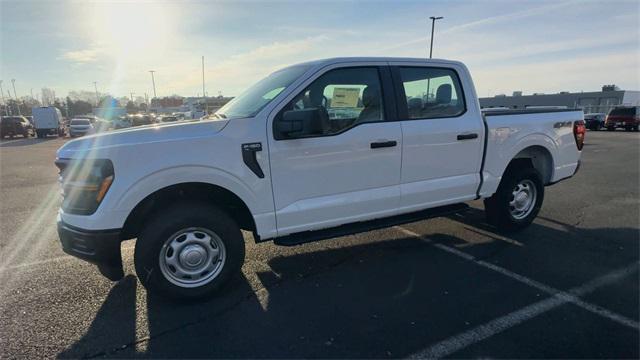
x: 627, y: 117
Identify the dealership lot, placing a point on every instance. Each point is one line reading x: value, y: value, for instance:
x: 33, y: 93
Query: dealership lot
x: 565, y: 287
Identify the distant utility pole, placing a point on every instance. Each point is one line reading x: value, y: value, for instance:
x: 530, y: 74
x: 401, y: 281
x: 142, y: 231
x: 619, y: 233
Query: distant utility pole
x: 15, y: 95
x: 132, y: 96
x: 6, y: 108
x: 95, y: 86
x: 32, y: 93
x: 153, y: 81
x: 433, y: 25
x: 204, y: 94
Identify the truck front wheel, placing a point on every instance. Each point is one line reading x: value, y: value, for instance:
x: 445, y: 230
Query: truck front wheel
x: 517, y: 201
x: 189, y: 251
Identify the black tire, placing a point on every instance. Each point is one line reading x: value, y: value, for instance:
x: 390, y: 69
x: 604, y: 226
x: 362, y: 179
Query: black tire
x: 183, y: 217
x: 497, y: 208
x: 610, y: 128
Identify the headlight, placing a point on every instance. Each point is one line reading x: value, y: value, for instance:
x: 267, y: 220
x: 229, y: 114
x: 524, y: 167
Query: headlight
x: 84, y: 184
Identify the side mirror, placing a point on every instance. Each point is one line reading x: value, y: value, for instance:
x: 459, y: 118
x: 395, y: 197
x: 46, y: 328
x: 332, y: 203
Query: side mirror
x: 298, y: 123
x: 289, y: 123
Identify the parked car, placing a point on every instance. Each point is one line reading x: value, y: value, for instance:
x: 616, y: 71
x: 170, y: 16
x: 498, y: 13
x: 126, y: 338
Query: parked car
x: 165, y: 119
x: 47, y: 121
x: 80, y: 126
x: 15, y: 125
x: 594, y: 121
x: 273, y: 162
x: 140, y: 119
x: 626, y: 117
x: 121, y: 122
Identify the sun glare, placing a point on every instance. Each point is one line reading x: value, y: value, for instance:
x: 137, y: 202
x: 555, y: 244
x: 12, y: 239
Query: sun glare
x: 129, y: 29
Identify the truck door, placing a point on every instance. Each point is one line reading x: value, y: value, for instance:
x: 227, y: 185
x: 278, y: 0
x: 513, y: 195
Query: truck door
x: 334, y: 151
x: 443, y: 136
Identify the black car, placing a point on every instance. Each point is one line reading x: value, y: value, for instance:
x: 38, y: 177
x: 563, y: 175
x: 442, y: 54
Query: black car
x: 15, y: 125
x: 140, y: 119
x: 594, y: 121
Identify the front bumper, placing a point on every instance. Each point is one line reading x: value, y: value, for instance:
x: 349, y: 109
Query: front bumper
x: 100, y: 247
x: 78, y: 132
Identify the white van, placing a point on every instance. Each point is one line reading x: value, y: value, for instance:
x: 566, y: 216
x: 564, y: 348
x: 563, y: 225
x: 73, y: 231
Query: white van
x: 47, y: 120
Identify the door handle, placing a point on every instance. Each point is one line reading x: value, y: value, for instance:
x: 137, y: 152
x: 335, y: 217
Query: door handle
x: 467, y: 136
x: 382, y: 144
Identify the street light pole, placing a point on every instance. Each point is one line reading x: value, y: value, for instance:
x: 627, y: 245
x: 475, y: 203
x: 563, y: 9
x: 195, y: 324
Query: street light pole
x: 153, y: 81
x: 204, y: 94
x: 95, y: 86
x: 433, y: 25
x: 15, y: 95
x: 6, y: 108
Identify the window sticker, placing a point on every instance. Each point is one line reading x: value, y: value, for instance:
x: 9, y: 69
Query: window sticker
x: 345, y: 97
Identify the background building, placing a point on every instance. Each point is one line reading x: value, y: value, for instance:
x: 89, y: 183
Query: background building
x: 589, y: 102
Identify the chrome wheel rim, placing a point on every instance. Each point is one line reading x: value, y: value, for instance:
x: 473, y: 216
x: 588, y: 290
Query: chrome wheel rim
x: 523, y: 199
x: 192, y: 257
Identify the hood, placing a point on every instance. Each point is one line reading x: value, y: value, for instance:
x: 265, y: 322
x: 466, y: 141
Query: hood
x: 99, y: 144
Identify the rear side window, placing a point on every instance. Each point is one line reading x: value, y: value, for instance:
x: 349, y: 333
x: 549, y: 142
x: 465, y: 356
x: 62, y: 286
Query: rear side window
x: 623, y: 111
x: 431, y: 92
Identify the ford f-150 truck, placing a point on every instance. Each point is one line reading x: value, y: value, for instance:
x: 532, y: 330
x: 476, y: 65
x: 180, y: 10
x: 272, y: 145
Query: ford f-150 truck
x: 313, y: 151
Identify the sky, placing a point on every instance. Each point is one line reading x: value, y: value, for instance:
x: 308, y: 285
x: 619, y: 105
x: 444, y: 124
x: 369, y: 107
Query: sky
x: 532, y: 46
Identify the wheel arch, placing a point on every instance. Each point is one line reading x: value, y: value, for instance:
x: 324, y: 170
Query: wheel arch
x: 539, y: 157
x: 217, y: 195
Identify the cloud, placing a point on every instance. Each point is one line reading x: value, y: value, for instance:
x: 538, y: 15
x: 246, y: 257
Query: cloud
x: 569, y: 74
x: 81, y: 56
x: 242, y: 69
x: 492, y: 20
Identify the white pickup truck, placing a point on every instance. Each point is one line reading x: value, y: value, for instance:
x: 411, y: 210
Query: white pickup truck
x: 313, y: 151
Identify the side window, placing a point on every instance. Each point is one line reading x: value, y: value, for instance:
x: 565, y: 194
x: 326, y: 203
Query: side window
x: 432, y: 92
x: 336, y: 101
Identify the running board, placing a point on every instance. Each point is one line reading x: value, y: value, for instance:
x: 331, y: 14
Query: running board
x: 363, y: 226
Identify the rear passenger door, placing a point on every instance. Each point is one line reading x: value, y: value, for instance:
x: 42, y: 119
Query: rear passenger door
x: 443, y: 136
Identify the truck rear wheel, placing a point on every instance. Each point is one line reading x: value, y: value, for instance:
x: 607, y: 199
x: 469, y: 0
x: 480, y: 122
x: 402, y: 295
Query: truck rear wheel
x: 189, y: 251
x: 517, y: 201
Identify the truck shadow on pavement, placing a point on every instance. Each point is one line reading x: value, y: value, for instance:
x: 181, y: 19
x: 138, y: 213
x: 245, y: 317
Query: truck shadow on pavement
x: 389, y: 298
x: 16, y: 142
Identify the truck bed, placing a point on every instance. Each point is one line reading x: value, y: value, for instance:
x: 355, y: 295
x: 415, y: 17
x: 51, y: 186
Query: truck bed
x: 547, y: 133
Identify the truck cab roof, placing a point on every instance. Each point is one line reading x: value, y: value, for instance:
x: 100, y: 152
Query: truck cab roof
x: 338, y: 60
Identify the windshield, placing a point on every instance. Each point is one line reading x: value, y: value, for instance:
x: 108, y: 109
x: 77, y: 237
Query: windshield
x: 80, y: 122
x: 252, y: 100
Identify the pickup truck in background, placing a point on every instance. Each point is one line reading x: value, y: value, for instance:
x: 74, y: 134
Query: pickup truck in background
x: 626, y: 117
x: 313, y: 151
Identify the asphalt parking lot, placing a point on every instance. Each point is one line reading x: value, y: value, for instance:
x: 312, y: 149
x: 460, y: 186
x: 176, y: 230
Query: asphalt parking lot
x: 566, y: 287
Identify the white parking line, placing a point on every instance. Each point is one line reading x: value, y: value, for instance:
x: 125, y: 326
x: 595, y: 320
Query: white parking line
x: 496, y: 326
x: 558, y: 298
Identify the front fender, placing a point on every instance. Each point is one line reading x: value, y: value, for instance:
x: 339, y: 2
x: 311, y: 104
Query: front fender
x: 184, y: 174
